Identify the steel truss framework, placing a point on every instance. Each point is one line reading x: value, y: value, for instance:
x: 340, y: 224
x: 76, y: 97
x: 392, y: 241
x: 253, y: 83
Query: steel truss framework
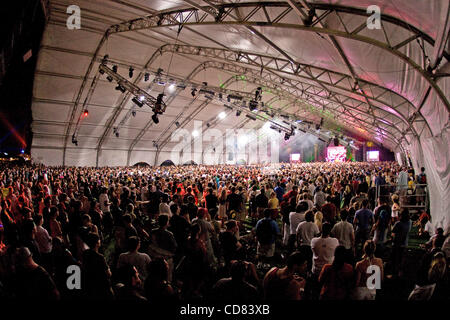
x: 319, y: 88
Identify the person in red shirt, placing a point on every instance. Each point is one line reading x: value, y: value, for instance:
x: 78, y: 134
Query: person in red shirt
x: 329, y: 210
x: 336, y: 279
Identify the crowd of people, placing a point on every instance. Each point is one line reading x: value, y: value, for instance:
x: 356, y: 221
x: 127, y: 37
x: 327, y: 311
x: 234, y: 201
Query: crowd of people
x: 261, y: 232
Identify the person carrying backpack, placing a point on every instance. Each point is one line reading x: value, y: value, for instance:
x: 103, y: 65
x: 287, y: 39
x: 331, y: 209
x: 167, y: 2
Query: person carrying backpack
x: 266, y: 233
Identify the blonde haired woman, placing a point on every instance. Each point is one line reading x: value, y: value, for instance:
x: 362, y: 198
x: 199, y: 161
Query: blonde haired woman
x: 318, y: 217
x: 362, y: 292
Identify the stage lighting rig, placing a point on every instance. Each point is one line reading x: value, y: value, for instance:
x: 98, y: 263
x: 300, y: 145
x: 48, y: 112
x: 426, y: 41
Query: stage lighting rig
x: 141, y: 97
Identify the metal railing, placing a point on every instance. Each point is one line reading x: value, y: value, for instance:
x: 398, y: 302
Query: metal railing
x: 416, y: 197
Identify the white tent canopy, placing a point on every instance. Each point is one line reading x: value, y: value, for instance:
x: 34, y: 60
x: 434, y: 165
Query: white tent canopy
x: 315, y: 59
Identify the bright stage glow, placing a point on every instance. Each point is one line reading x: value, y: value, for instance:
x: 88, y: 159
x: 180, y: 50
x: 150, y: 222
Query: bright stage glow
x: 373, y: 155
x: 295, y: 157
x: 222, y: 115
x: 336, y: 154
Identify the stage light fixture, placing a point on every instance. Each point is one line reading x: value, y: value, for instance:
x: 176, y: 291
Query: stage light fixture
x: 287, y: 137
x: 101, y: 71
x: 253, y: 105
x: 251, y: 117
x: 130, y: 72
x: 222, y: 115
x: 120, y: 88
x: 177, y: 124
x: 238, y: 113
x: 336, y: 141
x: 258, y: 93
x: 133, y: 113
x: 159, y: 102
x: 146, y: 76
x: 193, y: 92
x: 74, y: 141
x: 85, y: 113
x: 114, y: 69
x: 138, y: 102
x: 155, y: 118
x: 109, y: 78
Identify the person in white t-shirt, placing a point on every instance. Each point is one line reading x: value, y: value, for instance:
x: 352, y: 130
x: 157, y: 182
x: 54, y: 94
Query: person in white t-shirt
x: 295, y: 218
x: 323, y: 249
x: 307, y: 230
x: 135, y: 258
x: 164, y: 207
x: 344, y: 232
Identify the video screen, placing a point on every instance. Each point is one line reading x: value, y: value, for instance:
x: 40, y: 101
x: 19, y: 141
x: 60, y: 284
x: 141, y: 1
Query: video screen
x: 295, y: 157
x: 336, y: 154
x: 373, y: 155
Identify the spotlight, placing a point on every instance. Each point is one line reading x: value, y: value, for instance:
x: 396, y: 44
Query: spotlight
x: 195, y: 133
x: 109, y: 78
x: 258, y: 94
x: 114, y: 69
x: 177, y: 124
x: 193, y: 92
x: 158, y: 103
x: 253, y: 105
x: 222, y: 115
x: 101, y: 71
x: 85, y: 113
x: 138, y: 102
x: 208, y: 125
x: 220, y: 96
x: 238, y: 113
x: 130, y: 72
x: 286, y: 137
x: 120, y: 88
x: 228, y: 98
x: 133, y: 113
x: 22, y: 151
x: 336, y: 141
x: 116, y: 132
x: 146, y: 76
x: 155, y: 118
x: 74, y: 141
x: 141, y: 98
